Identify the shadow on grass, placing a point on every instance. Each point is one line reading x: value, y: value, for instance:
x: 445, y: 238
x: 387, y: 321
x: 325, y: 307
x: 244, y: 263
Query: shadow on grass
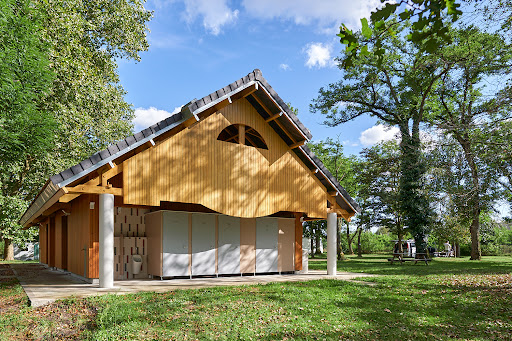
x: 381, y: 266
x: 447, y: 299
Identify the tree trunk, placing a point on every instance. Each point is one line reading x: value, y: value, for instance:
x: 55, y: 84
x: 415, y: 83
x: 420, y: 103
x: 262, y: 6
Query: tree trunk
x: 8, y: 249
x: 339, y: 251
x: 476, y: 253
x: 349, y: 240
x: 317, y: 243
x: 312, y: 249
x: 359, y: 249
x: 413, y: 203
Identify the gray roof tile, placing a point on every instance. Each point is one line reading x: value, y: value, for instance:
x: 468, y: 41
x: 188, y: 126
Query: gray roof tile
x: 122, y: 145
x: 104, y: 154
x: 66, y: 174
x: 87, y: 163
x: 112, y: 149
x: 130, y: 140
x: 139, y: 136
x: 76, y: 169
x: 95, y: 158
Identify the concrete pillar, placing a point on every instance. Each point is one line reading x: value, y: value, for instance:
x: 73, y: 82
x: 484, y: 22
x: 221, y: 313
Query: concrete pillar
x: 331, y: 243
x: 106, y: 260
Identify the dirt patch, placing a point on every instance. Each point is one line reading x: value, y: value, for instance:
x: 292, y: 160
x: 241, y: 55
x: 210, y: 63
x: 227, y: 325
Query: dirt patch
x: 6, y: 272
x: 12, y: 297
x: 68, y: 319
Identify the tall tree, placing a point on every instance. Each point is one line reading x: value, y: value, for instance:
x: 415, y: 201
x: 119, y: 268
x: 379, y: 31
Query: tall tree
x: 84, y: 39
x: 342, y: 168
x: 26, y: 131
x: 466, y: 111
x: 394, y: 88
x: 380, y: 172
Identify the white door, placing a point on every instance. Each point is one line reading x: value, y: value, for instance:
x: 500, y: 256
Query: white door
x: 229, y: 245
x: 266, y: 244
x: 203, y: 244
x: 175, y: 260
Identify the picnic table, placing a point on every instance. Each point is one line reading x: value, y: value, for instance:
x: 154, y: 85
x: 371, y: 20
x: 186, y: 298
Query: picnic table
x: 400, y: 257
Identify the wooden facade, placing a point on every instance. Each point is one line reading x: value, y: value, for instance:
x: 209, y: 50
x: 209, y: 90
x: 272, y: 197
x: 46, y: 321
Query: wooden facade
x: 194, y: 167
x: 233, y: 168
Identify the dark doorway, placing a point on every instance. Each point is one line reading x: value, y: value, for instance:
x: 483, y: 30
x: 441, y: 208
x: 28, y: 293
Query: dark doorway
x: 64, y: 241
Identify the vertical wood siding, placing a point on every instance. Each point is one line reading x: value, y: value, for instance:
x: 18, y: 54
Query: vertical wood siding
x: 43, y: 243
x: 78, y: 234
x: 248, y: 245
x: 154, y: 234
x: 286, y: 240
x: 58, y: 240
x: 233, y: 179
x: 298, y: 243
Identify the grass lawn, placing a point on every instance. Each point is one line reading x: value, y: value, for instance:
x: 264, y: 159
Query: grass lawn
x: 449, y: 299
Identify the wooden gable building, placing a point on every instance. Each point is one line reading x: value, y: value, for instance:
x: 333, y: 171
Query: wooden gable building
x: 221, y: 187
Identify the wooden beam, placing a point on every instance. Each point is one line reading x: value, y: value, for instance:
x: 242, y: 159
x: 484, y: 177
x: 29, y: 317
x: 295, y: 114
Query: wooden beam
x: 241, y: 134
x: 58, y: 206
x: 234, y: 137
x: 251, y: 141
x: 110, y: 174
x: 68, y: 197
x: 47, y: 205
x: 245, y: 92
x: 278, y: 123
x: 95, y: 190
x: 298, y: 144
x: 274, y: 117
x: 270, y: 97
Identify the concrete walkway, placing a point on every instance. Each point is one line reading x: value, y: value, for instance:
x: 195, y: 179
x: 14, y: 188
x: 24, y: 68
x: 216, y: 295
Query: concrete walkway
x: 44, y: 285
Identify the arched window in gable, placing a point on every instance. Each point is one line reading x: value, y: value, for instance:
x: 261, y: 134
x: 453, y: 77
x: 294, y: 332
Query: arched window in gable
x: 242, y: 134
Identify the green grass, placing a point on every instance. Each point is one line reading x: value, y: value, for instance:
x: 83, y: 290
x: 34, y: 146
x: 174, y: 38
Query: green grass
x: 449, y: 299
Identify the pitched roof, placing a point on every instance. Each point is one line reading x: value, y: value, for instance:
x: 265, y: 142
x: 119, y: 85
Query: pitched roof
x: 264, y: 99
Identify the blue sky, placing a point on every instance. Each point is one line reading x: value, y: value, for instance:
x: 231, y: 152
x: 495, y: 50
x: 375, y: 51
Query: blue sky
x: 199, y: 46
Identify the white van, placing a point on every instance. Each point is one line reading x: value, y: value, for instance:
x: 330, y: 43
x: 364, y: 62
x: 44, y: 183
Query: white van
x: 409, y: 247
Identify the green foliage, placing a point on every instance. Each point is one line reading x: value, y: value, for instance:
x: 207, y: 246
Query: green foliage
x: 86, y: 39
x: 26, y: 129
x: 378, y: 173
x: 393, y: 87
x: 408, y: 302
x: 372, y: 242
x: 77, y: 104
x: 469, y: 114
x: 428, y: 30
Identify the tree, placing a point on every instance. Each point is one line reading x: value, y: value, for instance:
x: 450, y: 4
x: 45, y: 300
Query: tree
x: 465, y: 111
x: 380, y: 172
x: 84, y: 40
x: 26, y: 131
x: 342, y: 168
x: 428, y: 29
x: 394, y: 88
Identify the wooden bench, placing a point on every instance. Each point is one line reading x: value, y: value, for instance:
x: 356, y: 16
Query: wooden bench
x: 399, y: 257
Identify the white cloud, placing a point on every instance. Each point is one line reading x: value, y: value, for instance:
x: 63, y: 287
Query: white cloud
x: 147, y: 117
x: 324, y: 12
x: 377, y: 134
x: 215, y: 13
x: 284, y: 67
x: 319, y: 55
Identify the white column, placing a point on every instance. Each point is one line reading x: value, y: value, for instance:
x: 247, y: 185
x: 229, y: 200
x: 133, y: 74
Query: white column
x: 106, y: 237
x: 331, y: 243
